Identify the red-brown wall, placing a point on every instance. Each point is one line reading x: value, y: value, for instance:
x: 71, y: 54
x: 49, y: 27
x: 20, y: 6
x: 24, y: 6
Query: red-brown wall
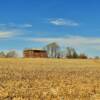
x: 35, y: 54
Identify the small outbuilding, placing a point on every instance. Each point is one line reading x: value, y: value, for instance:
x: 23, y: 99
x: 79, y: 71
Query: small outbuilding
x: 35, y: 53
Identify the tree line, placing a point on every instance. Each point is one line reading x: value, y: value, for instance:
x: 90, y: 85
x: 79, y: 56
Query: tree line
x: 9, y: 54
x: 55, y: 51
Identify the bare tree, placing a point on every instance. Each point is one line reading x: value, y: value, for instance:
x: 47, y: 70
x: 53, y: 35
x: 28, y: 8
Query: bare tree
x: 83, y: 56
x: 12, y: 54
x: 52, y: 50
x: 2, y: 54
x: 96, y: 57
x: 71, y: 53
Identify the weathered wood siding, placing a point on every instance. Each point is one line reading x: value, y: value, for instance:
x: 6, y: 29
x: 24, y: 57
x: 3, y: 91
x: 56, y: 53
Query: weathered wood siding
x: 35, y: 54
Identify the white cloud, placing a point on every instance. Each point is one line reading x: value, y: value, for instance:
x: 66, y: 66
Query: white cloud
x: 6, y: 34
x: 71, y: 40
x: 10, y: 33
x: 87, y: 45
x: 14, y: 25
x: 25, y: 25
x: 12, y: 30
x: 2, y: 24
x: 63, y: 22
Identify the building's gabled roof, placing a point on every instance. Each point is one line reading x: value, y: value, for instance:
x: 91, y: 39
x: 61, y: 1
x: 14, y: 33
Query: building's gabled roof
x: 34, y: 49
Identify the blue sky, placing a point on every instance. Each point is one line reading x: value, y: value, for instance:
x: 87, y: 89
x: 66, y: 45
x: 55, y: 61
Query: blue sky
x: 35, y: 23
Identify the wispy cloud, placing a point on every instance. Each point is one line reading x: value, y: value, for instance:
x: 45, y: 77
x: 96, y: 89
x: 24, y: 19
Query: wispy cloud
x: 13, y: 25
x: 12, y: 30
x: 25, y: 26
x: 6, y: 34
x: 82, y: 44
x: 63, y: 22
x: 71, y: 40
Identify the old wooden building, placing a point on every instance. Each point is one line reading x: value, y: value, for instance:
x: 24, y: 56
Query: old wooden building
x: 35, y: 53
